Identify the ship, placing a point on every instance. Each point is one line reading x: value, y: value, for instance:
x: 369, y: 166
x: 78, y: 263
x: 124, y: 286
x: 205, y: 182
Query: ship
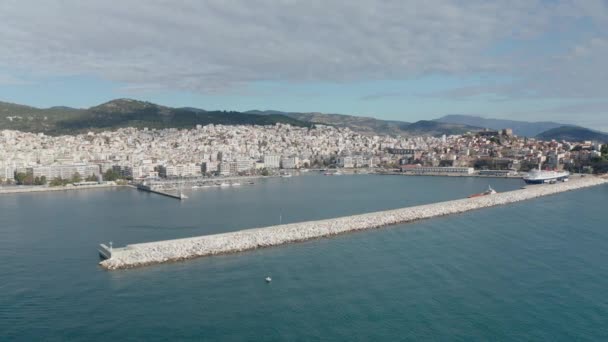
x: 538, y: 176
x: 490, y: 191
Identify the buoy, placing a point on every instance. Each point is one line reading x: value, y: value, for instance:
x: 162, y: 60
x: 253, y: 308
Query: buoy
x: 268, y: 279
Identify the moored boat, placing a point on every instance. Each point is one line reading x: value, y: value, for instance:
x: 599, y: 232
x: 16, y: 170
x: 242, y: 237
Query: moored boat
x: 490, y: 191
x: 538, y: 176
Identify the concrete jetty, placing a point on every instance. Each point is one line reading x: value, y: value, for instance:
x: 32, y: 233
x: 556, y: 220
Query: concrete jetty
x: 146, y: 188
x: 180, y: 249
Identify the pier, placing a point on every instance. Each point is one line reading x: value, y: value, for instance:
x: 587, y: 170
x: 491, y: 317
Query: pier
x: 145, y: 188
x: 142, y: 254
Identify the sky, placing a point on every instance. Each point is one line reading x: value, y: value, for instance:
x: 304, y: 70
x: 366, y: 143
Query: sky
x: 533, y: 60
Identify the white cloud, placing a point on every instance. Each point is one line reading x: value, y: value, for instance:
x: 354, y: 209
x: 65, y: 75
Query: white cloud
x: 216, y: 45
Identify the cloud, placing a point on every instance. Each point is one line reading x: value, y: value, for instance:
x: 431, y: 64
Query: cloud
x: 382, y: 95
x: 12, y: 80
x: 220, y: 45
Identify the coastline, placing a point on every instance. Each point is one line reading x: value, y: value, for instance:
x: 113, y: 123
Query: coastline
x: 136, y: 255
x: 30, y: 189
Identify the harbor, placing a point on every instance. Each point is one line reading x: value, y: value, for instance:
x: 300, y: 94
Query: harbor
x: 135, y: 255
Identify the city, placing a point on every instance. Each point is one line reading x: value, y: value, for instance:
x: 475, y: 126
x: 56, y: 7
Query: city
x: 216, y: 150
x: 333, y: 170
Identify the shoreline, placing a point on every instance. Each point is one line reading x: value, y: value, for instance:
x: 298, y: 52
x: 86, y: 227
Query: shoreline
x: 143, y: 254
x: 30, y: 189
x: 435, y: 174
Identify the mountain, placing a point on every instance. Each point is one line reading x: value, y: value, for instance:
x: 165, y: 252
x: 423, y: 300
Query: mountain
x: 437, y: 128
x: 573, y: 133
x: 521, y: 128
x: 132, y: 113
x: 124, y: 113
x: 363, y: 125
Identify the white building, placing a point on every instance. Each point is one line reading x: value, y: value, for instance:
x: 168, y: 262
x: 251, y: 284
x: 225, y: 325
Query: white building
x: 290, y: 163
x: 65, y: 171
x: 224, y: 169
x: 346, y: 162
x: 7, y: 173
x: 244, y: 164
x: 179, y: 170
x: 272, y: 161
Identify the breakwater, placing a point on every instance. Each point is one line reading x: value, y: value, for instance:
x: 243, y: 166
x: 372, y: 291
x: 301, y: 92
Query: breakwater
x: 180, y: 249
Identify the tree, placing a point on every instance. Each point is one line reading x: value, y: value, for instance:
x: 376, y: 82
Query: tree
x: 58, y: 181
x: 40, y: 180
x: 91, y: 178
x: 76, y: 178
x: 20, y: 178
x: 110, y: 175
x: 24, y: 178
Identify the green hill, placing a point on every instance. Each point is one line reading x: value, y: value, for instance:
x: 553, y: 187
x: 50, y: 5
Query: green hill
x: 124, y: 113
x: 573, y: 133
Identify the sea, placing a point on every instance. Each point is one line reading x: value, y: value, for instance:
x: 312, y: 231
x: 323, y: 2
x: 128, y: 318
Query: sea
x: 529, y: 271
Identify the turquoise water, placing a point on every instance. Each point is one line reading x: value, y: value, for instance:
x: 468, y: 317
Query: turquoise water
x: 535, y: 270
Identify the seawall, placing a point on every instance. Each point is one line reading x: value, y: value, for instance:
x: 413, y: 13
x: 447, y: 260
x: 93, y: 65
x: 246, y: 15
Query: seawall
x: 180, y: 249
x: 30, y: 189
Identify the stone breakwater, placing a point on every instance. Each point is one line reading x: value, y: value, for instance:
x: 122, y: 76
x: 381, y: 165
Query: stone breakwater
x: 180, y: 249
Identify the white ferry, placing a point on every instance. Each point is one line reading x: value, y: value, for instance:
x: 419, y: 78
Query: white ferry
x: 539, y: 176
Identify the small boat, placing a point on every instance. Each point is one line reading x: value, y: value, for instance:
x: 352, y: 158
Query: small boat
x: 268, y: 279
x: 251, y: 183
x: 490, y: 191
x: 286, y: 175
x: 236, y: 184
x: 224, y: 184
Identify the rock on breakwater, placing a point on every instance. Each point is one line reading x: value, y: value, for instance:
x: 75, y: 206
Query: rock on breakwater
x: 173, y: 250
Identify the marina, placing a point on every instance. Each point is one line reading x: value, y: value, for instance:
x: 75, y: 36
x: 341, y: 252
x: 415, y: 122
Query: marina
x: 135, y: 255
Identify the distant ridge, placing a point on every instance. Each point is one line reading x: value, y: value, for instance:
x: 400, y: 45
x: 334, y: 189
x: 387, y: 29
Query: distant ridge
x: 360, y: 124
x: 134, y: 113
x: 437, y: 128
x: 124, y: 113
x: 573, y: 133
x: 521, y: 128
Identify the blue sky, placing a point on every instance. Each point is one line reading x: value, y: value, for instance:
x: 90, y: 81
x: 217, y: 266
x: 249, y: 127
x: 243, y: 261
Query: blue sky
x: 399, y: 60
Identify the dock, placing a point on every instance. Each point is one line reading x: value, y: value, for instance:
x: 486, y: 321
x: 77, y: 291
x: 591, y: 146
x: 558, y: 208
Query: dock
x: 146, y: 188
x: 142, y: 254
